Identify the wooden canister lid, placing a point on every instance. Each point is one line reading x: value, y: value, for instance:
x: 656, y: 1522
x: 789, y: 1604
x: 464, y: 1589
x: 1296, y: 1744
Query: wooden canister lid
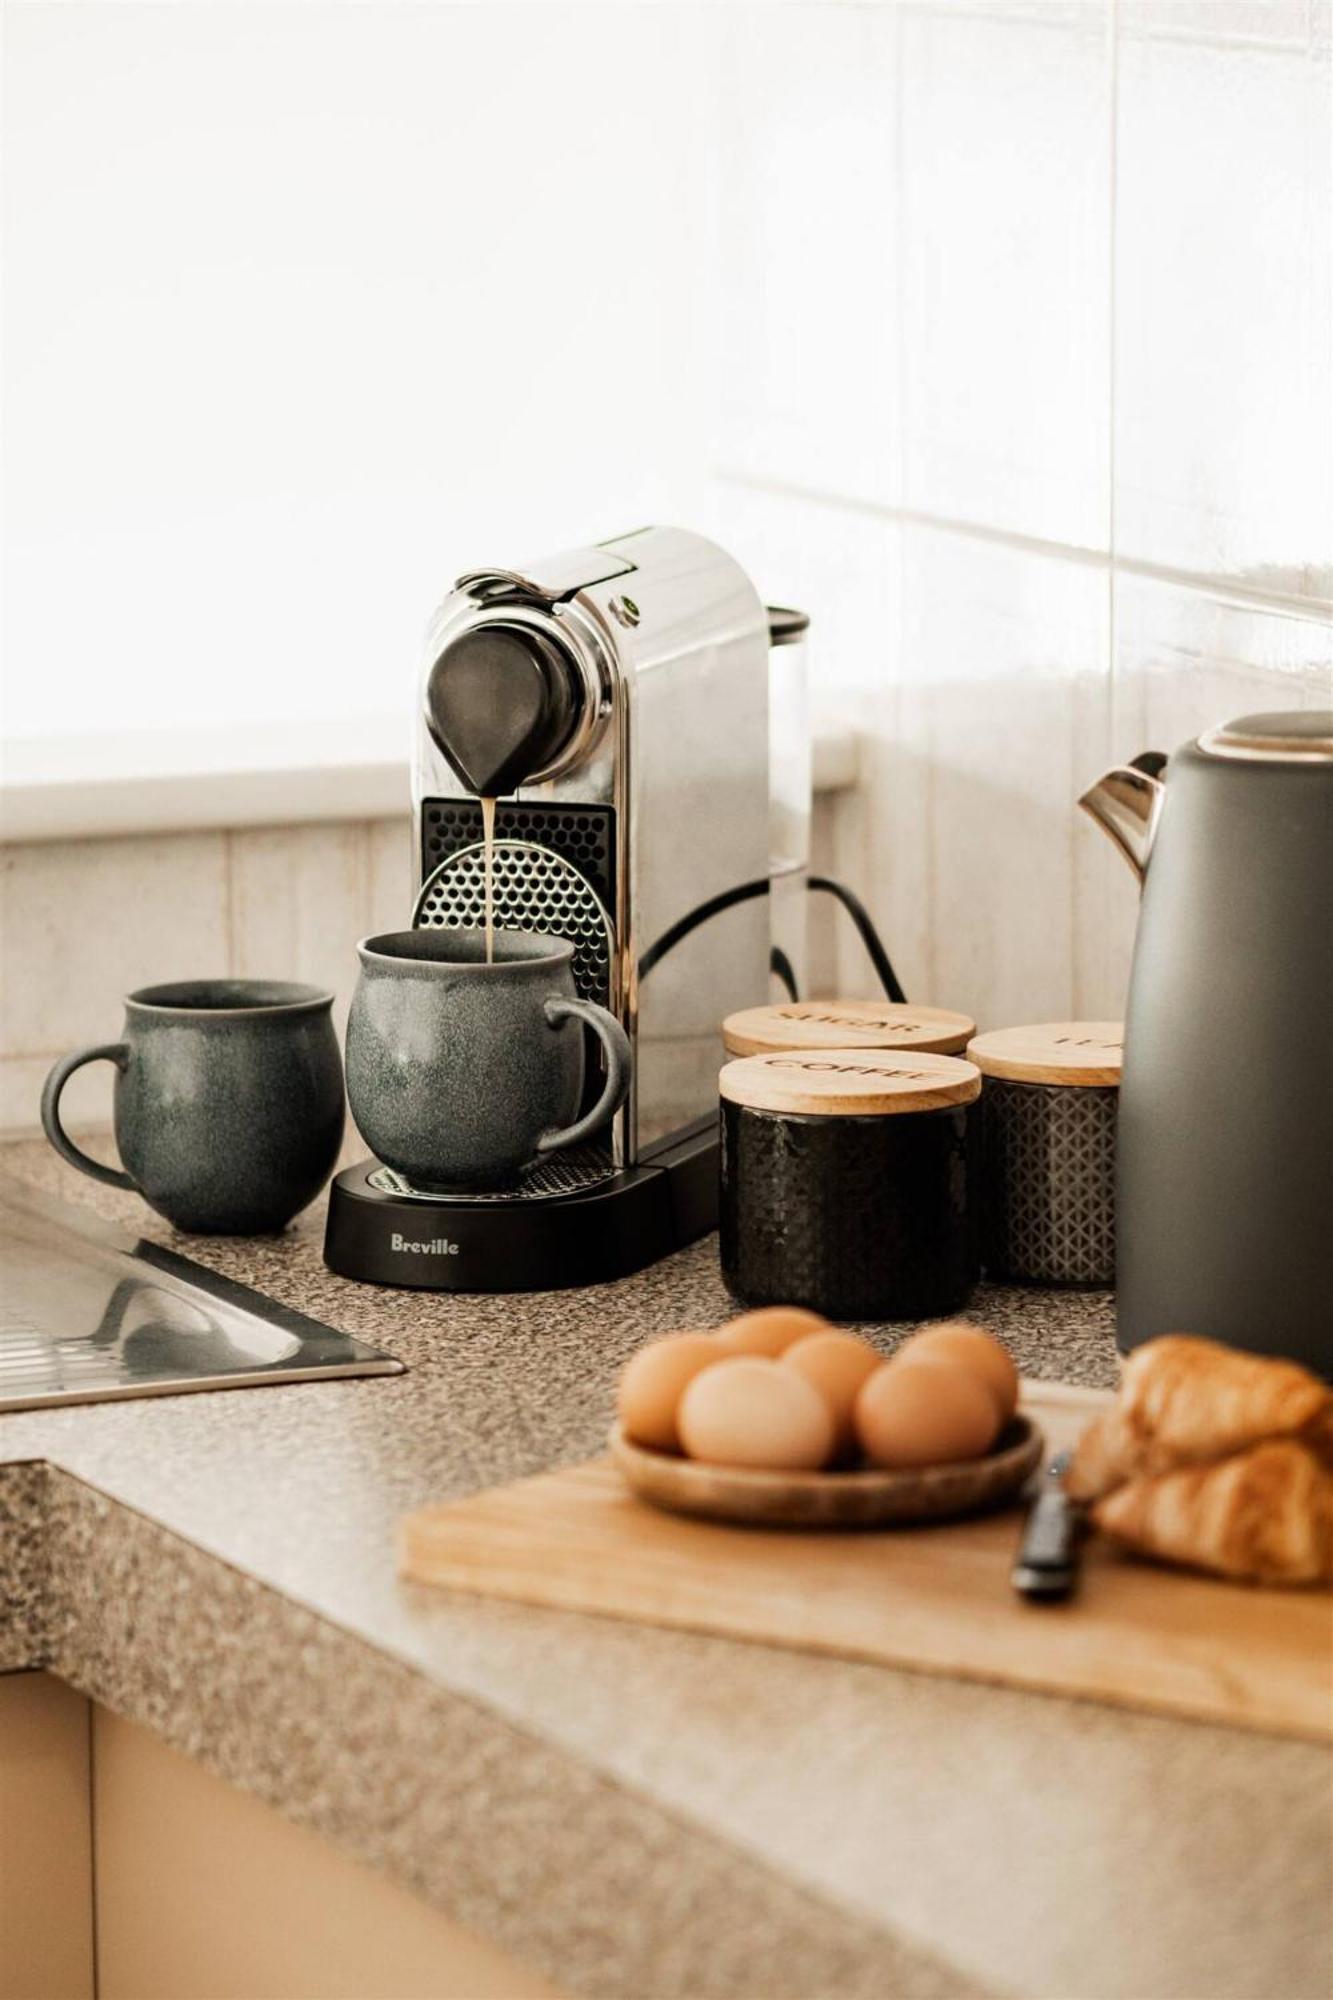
x: 1079, y: 1053
x: 848, y: 1083
x: 845, y: 1024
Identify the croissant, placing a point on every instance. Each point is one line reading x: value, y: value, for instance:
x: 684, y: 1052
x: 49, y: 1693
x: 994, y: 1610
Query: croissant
x: 1262, y: 1516
x: 1183, y: 1401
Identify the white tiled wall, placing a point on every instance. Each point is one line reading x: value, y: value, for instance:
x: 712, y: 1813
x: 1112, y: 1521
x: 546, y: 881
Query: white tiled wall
x: 808, y: 239
x: 1224, y: 387
x: 1035, y: 413
x: 310, y: 307
x: 1005, y: 267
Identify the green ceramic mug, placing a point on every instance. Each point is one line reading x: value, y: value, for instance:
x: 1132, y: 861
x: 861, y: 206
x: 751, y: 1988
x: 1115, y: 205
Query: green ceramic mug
x: 228, y: 1104
x: 462, y: 1071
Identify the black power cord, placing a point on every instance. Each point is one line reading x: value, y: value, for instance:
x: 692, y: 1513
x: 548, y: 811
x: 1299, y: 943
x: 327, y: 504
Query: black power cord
x: 781, y: 968
x: 869, y: 936
x: 745, y: 892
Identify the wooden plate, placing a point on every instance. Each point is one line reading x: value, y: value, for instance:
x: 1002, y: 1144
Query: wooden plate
x: 869, y: 1499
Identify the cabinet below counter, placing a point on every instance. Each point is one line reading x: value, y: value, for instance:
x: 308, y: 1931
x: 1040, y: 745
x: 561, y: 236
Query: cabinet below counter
x: 128, y: 1872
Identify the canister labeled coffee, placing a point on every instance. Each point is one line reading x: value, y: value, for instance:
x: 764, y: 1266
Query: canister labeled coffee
x: 848, y: 1181
x: 846, y: 1024
x: 1049, y: 1100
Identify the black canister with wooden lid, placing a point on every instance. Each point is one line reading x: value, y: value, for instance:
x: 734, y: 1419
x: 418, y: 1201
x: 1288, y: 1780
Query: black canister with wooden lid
x: 1050, y: 1095
x: 846, y: 1024
x: 848, y: 1181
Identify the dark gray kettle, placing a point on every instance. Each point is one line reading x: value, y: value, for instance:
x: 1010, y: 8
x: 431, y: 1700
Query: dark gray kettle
x: 1224, y: 1184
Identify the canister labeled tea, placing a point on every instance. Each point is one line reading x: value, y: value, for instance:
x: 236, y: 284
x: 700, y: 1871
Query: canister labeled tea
x: 1049, y: 1100
x: 846, y: 1024
x: 848, y: 1181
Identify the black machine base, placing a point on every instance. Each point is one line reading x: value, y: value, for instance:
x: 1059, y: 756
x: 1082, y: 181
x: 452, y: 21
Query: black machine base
x: 616, y: 1225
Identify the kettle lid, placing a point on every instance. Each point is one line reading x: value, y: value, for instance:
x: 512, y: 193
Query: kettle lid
x: 1290, y: 735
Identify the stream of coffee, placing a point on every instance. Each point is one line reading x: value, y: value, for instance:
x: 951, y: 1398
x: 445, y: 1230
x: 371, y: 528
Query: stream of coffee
x: 488, y: 840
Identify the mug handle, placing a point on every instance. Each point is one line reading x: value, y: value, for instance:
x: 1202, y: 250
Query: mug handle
x: 119, y: 1054
x: 615, y: 1043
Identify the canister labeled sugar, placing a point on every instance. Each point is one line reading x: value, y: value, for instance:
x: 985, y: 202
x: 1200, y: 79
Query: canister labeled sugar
x: 846, y: 1024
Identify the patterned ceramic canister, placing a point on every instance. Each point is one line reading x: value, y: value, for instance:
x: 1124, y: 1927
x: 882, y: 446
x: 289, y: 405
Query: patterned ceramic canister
x: 848, y: 1182
x: 1049, y: 1101
x: 846, y: 1024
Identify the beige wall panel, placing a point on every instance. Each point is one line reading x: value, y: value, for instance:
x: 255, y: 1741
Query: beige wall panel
x: 204, y: 1893
x: 46, y: 1901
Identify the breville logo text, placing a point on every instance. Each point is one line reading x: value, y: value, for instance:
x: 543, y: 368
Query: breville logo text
x: 438, y: 1246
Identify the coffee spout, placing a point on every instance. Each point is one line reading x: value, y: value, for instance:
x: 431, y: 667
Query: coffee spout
x: 1126, y: 803
x: 502, y: 702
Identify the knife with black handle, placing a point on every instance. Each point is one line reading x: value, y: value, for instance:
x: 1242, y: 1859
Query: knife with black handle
x: 1047, y: 1565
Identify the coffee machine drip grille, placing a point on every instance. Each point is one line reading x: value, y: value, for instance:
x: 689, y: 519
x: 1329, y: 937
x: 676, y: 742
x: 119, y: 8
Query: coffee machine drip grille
x: 533, y: 888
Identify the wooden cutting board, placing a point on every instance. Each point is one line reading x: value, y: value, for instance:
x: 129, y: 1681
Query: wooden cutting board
x: 937, y: 1599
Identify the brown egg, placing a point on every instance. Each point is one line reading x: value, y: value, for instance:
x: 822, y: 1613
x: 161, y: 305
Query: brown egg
x: 836, y: 1364
x: 751, y: 1411
x: 653, y: 1381
x: 770, y: 1331
x: 972, y: 1347
x: 924, y: 1413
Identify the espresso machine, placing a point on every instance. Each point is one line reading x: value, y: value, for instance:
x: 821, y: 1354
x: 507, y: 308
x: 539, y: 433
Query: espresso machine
x: 632, y: 710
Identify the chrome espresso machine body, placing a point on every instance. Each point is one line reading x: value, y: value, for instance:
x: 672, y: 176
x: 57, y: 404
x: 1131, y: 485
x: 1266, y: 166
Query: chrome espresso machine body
x: 615, y: 702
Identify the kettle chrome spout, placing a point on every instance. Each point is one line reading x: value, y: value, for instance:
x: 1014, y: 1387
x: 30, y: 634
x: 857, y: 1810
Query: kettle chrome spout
x: 1127, y: 803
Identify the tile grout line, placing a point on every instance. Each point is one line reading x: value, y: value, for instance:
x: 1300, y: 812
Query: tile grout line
x: 229, y: 901
x: 930, y: 839
x: 1239, y: 595
x: 1112, y: 401
x: 1113, y: 369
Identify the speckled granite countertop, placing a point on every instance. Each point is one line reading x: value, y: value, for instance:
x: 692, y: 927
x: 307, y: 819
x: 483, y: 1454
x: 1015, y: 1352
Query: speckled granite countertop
x: 636, y: 1812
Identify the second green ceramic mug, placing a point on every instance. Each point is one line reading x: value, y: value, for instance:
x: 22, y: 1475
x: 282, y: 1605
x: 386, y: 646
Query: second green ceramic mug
x: 462, y: 1071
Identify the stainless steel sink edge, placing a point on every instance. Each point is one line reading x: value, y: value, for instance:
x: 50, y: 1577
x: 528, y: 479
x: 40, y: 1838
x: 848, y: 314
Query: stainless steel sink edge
x: 90, y: 1314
